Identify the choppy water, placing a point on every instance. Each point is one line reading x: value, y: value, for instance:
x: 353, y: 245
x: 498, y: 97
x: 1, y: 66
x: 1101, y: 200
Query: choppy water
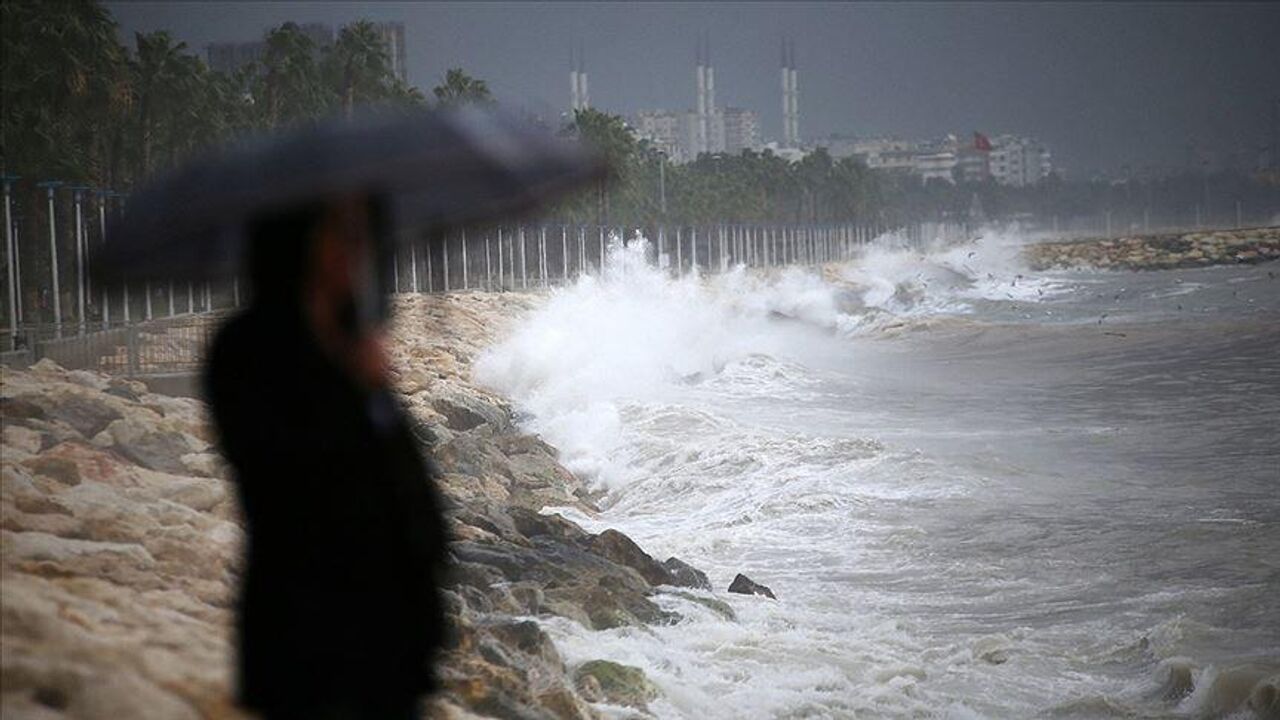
x: 976, y: 491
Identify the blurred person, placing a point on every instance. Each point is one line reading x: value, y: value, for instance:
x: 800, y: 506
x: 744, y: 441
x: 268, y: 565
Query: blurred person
x: 339, y: 614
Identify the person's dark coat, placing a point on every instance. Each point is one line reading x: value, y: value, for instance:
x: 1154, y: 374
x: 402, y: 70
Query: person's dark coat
x: 345, y: 535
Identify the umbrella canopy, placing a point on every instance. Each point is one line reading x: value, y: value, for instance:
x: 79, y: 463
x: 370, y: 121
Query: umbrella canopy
x: 437, y: 169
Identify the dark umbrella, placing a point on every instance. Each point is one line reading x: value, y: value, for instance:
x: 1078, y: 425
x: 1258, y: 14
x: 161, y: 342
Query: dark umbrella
x: 437, y: 168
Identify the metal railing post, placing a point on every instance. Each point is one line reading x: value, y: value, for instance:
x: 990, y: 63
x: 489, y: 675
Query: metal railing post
x: 431, y: 286
x: 102, y: 232
x: 501, y: 277
x: 524, y: 267
x: 488, y: 265
x: 600, y: 268
x: 76, y: 200
x: 542, y: 253
x: 444, y: 261
x: 413, y: 266
x: 466, y: 280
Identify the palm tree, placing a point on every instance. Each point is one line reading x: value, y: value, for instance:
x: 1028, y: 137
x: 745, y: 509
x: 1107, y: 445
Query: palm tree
x: 160, y: 79
x: 359, y: 66
x: 290, y: 80
x: 460, y: 88
x: 62, y: 72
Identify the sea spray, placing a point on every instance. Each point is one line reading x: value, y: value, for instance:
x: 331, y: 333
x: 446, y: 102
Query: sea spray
x: 634, y: 333
x: 948, y: 531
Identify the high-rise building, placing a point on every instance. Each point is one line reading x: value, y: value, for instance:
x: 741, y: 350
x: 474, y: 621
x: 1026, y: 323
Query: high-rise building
x: 392, y: 34
x: 741, y: 130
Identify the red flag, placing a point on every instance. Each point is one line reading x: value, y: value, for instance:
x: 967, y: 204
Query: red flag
x: 980, y: 142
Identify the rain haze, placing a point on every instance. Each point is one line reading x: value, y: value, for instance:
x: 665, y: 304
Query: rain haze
x: 1106, y: 85
x: 693, y: 361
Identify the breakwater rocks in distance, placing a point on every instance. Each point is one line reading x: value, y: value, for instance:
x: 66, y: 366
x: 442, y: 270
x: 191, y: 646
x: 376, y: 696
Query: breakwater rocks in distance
x: 1159, y: 251
x: 119, y: 559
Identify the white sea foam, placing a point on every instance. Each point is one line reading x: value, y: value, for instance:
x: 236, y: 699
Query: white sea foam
x: 701, y: 406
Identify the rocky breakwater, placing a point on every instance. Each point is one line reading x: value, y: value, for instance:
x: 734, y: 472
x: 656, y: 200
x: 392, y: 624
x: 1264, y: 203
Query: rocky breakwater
x: 120, y: 544
x: 1159, y: 251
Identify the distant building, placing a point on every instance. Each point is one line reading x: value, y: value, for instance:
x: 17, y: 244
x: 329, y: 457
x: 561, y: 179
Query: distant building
x: 665, y: 129
x: 936, y: 166
x: 741, y: 129
x: 227, y: 57
x: 393, y: 35
x: 973, y: 165
x: 1019, y: 161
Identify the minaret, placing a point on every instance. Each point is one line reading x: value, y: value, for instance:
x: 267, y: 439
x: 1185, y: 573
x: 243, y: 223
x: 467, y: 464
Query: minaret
x: 786, y: 97
x: 575, y: 102
x: 579, y: 93
x: 795, y: 98
x: 584, y: 92
x: 700, y: 79
x: 711, y: 133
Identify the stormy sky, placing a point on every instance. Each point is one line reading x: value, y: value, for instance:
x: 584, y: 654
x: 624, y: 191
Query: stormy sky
x: 1106, y: 85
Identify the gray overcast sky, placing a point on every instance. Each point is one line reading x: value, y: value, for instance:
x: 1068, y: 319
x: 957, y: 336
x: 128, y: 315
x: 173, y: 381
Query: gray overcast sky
x: 1104, y: 84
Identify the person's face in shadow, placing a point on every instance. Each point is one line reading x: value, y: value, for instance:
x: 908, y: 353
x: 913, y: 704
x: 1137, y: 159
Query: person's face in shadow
x: 341, y: 289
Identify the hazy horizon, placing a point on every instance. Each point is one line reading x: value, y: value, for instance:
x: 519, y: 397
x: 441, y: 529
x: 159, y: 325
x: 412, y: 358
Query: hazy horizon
x: 1105, y: 86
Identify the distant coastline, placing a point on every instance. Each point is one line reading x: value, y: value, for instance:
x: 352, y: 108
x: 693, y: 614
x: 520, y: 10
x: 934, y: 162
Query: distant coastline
x: 1159, y: 251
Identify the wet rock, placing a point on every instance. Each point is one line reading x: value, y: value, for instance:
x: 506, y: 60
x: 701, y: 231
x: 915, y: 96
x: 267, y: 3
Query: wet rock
x: 744, y: 585
x: 683, y: 574
x: 463, y: 413
x: 623, y: 550
x: 616, y: 683
x: 715, y: 605
x: 1159, y: 251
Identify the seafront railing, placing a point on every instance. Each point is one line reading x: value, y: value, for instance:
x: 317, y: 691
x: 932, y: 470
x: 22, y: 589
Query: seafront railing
x: 51, y: 307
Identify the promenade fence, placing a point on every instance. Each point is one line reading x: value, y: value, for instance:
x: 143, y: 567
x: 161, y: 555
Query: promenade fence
x: 156, y: 327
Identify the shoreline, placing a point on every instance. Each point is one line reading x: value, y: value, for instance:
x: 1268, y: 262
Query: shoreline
x: 121, y: 542
x: 1158, y: 251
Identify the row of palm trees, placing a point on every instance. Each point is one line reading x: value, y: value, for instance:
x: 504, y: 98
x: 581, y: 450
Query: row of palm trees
x: 84, y: 108
x: 716, y: 188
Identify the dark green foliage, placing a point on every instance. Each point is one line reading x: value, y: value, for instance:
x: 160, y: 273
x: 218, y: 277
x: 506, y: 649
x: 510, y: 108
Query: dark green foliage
x: 81, y: 107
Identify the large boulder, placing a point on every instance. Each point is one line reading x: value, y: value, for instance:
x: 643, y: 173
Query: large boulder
x: 744, y: 585
x: 683, y: 574
x: 611, y: 682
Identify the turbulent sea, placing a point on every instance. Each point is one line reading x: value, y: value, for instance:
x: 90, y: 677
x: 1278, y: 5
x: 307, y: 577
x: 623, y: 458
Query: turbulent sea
x: 977, y: 491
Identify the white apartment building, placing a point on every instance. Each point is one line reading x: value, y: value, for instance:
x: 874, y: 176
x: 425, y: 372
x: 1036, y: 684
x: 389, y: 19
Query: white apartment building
x: 938, y: 165
x: 1019, y: 161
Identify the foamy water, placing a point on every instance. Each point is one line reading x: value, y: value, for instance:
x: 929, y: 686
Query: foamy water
x: 977, y: 492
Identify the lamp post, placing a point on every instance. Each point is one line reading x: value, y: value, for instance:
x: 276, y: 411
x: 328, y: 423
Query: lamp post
x: 10, y: 259
x: 50, y: 186
x: 77, y: 195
